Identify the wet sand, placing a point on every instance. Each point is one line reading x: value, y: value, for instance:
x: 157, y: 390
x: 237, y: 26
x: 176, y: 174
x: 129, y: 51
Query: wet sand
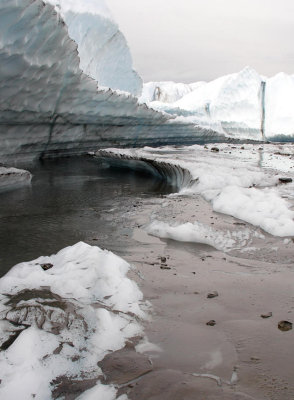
x: 243, y: 356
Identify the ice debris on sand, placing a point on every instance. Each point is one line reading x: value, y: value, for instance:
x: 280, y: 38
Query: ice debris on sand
x: 57, y: 324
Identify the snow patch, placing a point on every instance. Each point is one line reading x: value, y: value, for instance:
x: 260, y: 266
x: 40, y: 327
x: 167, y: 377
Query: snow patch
x: 71, y: 309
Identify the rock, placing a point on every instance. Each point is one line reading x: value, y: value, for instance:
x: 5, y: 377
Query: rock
x: 285, y: 180
x: 46, y: 266
x: 215, y: 149
x: 211, y: 322
x: 213, y: 294
x: 285, y: 326
x: 163, y: 260
x: 164, y: 267
x: 268, y: 315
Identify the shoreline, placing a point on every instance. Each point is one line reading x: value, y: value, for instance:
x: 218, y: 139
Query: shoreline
x: 241, y: 355
x: 242, y: 348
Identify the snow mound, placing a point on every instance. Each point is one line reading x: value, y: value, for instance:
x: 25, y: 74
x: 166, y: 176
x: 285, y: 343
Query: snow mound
x: 199, y: 233
x: 60, y: 316
x: 103, y: 50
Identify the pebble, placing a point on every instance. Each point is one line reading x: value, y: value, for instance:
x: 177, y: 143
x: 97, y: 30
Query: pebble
x: 285, y: 326
x: 46, y: 266
x: 213, y: 294
x: 211, y: 322
x: 268, y: 315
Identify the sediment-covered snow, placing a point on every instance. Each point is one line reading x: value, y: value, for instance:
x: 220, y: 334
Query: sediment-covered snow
x: 242, y: 181
x: 103, y: 50
x: 72, y: 309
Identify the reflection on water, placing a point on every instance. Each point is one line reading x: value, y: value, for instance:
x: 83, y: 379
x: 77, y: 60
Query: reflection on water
x: 65, y: 204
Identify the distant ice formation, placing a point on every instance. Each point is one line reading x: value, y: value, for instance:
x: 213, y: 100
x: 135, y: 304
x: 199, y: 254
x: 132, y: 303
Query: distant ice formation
x: 166, y: 92
x: 103, y: 51
x: 240, y: 105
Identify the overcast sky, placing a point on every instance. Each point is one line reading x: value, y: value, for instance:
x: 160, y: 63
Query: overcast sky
x: 192, y: 40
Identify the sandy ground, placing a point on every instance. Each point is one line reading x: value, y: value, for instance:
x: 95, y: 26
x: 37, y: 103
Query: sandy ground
x: 243, y: 356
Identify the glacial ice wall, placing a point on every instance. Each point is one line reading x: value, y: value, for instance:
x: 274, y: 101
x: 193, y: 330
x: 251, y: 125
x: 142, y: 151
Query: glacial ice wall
x: 47, y: 104
x: 239, y: 105
x: 103, y: 50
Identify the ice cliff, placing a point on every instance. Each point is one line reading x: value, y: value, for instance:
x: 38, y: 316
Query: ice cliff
x: 103, y: 50
x: 50, y: 107
x: 47, y: 104
x: 240, y: 105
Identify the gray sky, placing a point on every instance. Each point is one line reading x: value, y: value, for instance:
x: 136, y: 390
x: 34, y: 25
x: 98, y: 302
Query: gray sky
x: 192, y: 40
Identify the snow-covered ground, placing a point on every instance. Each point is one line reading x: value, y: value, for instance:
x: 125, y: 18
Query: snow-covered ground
x: 244, y: 181
x: 71, y: 309
x: 240, y: 105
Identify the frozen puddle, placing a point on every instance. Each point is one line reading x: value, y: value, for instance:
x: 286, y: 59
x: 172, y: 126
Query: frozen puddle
x: 60, y: 316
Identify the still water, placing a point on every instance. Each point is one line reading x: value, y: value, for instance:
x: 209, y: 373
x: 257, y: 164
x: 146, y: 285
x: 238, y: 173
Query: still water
x: 69, y: 200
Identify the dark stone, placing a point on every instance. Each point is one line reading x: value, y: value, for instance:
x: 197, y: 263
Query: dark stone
x: 285, y: 326
x: 215, y: 149
x: 285, y: 180
x: 212, y: 294
x: 164, y: 267
x: 46, y: 266
x: 163, y: 259
x: 268, y: 315
x: 211, y: 322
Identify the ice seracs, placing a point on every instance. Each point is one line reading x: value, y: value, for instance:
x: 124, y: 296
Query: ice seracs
x: 243, y: 105
x: 103, y: 50
x: 279, y: 106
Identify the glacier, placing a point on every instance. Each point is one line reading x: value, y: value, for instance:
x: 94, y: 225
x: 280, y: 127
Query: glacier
x: 49, y: 107
x: 55, y: 58
x: 243, y: 105
x: 103, y: 51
